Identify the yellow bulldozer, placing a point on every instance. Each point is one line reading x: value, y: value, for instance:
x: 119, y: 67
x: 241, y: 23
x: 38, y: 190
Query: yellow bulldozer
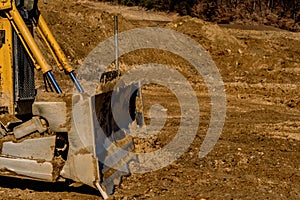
x: 40, y: 140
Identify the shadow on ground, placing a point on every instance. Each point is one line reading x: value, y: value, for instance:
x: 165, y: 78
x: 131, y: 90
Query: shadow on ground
x: 39, y: 186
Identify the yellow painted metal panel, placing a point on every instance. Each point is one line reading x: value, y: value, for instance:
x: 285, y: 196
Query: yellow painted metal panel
x: 27, y: 39
x: 6, y: 69
x: 5, y: 4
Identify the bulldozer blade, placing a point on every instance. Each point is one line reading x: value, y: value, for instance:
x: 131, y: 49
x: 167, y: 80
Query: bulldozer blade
x: 113, y: 141
x: 99, y: 147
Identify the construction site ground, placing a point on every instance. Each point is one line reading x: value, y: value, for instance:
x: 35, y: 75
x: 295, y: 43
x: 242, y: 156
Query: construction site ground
x: 258, y: 154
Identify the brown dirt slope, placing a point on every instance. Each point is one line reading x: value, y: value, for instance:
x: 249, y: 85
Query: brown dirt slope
x: 258, y: 154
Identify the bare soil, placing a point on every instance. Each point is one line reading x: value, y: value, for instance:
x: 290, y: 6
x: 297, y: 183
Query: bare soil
x: 258, y: 154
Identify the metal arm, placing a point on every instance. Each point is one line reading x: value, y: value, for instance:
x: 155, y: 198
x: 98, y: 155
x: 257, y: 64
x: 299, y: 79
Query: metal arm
x: 30, y: 44
x: 32, y: 48
x: 56, y: 51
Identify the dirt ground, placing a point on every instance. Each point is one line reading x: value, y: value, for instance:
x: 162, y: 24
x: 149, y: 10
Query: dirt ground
x: 258, y: 154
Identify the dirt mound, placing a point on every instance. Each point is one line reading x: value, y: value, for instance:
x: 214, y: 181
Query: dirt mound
x: 208, y: 33
x: 79, y: 28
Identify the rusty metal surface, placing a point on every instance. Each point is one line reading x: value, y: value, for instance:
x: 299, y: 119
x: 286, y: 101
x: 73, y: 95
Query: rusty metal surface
x: 37, y: 149
x: 28, y: 168
x: 29, y: 127
x: 55, y: 113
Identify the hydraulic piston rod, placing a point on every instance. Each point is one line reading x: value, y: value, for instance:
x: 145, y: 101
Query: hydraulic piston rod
x: 28, y: 41
x: 56, y: 51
